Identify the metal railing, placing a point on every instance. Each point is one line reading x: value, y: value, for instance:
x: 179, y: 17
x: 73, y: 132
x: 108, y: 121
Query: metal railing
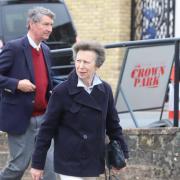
x: 174, y: 41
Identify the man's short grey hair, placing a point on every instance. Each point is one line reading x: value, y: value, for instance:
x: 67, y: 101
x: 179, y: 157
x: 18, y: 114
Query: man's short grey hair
x: 90, y: 46
x: 36, y: 14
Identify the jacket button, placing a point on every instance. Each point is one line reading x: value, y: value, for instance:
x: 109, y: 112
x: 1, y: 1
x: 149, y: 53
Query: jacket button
x: 33, y: 101
x: 85, y: 136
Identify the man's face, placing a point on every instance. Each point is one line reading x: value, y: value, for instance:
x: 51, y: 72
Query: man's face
x: 41, y: 30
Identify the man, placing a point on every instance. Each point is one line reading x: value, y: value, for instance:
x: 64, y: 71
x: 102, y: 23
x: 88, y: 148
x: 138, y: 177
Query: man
x: 25, y: 84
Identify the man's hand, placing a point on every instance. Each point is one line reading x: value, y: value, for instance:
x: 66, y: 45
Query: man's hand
x: 26, y: 86
x: 36, y: 174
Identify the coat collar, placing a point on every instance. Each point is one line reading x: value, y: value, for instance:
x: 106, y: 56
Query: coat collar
x: 93, y: 100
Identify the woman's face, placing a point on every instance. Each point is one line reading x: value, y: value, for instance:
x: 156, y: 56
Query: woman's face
x: 85, y: 64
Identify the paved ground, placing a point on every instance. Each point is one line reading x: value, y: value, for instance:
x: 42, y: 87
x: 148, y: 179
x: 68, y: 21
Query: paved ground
x: 143, y: 118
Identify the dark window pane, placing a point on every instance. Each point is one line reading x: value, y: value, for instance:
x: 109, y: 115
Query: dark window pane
x: 14, y: 23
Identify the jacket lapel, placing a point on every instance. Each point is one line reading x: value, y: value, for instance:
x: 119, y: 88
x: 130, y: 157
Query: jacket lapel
x: 29, y: 60
x: 28, y: 55
x: 98, y: 94
x: 47, y: 62
x: 87, y: 100
x: 93, y: 100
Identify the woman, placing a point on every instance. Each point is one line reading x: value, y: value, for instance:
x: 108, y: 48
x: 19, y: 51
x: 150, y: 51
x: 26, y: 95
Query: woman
x: 80, y: 113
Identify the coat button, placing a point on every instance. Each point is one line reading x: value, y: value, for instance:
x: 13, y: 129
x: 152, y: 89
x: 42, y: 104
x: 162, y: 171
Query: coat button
x: 85, y: 136
x: 33, y: 101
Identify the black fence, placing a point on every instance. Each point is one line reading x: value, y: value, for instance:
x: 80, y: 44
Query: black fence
x: 152, y: 19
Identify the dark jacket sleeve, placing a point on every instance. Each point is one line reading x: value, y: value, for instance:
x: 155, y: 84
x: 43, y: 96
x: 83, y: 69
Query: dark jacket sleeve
x: 7, y: 57
x: 47, y: 130
x: 113, y: 128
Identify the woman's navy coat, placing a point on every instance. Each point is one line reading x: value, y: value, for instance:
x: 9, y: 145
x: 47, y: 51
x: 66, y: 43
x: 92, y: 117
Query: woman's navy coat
x: 78, y: 121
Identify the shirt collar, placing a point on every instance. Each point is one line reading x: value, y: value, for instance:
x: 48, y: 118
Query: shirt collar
x: 96, y: 81
x: 32, y: 43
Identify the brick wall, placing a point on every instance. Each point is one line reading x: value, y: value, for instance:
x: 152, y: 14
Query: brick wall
x: 154, y: 154
x: 107, y: 22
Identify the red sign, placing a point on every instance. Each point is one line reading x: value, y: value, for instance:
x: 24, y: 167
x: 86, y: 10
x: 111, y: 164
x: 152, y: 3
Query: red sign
x: 147, y: 76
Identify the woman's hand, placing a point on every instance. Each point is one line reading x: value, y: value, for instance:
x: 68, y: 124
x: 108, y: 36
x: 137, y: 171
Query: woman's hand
x: 115, y: 170
x: 36, y: 174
